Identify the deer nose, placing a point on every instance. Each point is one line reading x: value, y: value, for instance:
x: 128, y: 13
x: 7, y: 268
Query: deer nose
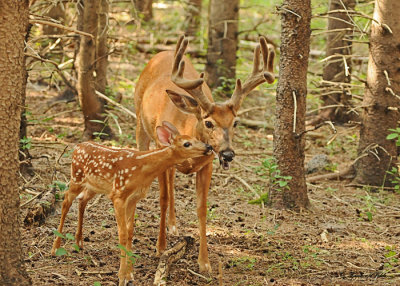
x: 209, y: 148
x: 228, y: 155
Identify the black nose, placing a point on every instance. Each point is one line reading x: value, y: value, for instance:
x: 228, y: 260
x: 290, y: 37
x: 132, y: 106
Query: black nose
x: 209, y: 147
x: 228, y: 155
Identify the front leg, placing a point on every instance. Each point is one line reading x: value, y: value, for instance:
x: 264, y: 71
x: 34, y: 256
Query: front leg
x: 171, y: 202
x: 203, y: 179
x: 162, y: 236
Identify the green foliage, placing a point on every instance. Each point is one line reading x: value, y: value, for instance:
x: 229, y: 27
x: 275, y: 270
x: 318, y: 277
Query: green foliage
x: 131, y: 257
x: 62, y: 251
x: 25, y: 143
x: 395, y: 135
x: 395, y: 179
x: 270, y: 169
x: 244, y: 262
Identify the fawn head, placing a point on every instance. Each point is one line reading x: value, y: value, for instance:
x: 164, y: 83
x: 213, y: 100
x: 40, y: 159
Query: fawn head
x: 183, y: 146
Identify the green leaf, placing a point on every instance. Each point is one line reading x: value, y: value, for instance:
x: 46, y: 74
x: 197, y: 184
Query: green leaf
x: 76, y: 247
x: 70, y: 236
x: 392, y: 136
x: 61, y: 251
x: 96, y: 283
x: 57, y: 233
x: 97, y: 121
x: 369, y: 215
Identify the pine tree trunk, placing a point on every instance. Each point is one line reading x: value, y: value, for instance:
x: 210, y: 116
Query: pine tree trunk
x: 222, y: 43
x: 288, y: 145
x: 339, y: 46
x: 13, y: 28
x: 92, y: 107
x: 377, y: 154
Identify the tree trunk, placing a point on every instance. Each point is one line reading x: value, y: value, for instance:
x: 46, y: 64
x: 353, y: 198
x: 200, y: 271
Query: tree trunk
x: 222, y: 44
x: 193, y: 17
x: 378, y: 155
x: 338, y: 47
x: 102, y: 49
x: 145, y: 8
x: 13, y: 28
x: 91, y: 106
x: 288, y: 141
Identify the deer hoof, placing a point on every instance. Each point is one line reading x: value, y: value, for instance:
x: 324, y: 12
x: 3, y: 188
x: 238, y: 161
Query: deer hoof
x: 173, y: 230
x: 205, y: 267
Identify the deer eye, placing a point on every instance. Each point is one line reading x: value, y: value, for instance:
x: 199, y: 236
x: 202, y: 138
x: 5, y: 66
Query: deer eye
x: 209, y: 124
x: 187, y: 144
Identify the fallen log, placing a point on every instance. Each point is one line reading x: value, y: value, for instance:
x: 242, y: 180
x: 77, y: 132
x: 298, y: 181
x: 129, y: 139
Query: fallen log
x: 347, y: 173
x: 171, y: 256
x: 37, y: 214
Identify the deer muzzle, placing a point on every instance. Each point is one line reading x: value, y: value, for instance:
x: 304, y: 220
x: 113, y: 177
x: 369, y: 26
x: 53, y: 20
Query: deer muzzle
x: 225, y: 157
x: 209, y: 149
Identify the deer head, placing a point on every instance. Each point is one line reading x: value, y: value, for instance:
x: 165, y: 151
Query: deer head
x: 216, y: 120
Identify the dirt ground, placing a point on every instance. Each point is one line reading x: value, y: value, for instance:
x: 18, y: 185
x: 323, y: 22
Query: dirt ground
x: 349, y: 236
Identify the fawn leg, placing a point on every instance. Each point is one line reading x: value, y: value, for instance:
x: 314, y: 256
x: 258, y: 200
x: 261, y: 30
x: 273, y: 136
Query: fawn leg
x: 162, y: 236
x: 171, y: 202
x: 74, y: 190
x: 87, y: 196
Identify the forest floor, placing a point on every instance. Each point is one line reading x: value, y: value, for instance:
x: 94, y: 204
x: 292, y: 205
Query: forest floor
x: 349, y: 236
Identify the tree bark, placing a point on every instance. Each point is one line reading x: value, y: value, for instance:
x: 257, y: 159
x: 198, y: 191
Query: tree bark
x: 13, y: 28
x: 91, y: 106
x: 193, y: 17
x: 145, y: 8
x: 102, y: 48
x: 288, y: 146
x: 222, y: 43
x: 377, y: 154
x: 338, y: 47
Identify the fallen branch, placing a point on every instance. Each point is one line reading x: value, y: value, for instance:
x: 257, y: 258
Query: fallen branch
x: 255, y: 123
x: 170, y: 256
x: 38, y: 213
x: 345, y: 174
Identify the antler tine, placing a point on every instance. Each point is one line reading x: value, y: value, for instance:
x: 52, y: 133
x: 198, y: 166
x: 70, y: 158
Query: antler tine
x: 258, y: 75
x: 178, y: 44
x: 192, y: 86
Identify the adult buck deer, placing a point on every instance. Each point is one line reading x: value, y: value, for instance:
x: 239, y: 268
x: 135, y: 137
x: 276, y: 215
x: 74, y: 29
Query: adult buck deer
x: 125, y: 176
x: 170, y: 88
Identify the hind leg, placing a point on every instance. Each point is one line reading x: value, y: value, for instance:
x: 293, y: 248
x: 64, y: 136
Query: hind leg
x: 73, y: 191
x: 171, y: 202
x: 142, y: 138
x: 87, y: 196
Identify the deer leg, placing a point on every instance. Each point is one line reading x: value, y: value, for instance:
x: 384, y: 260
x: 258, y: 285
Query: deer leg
x: 120, y: 215
x: 203, y: 179
x: 69, y: 197
x: 87, y: 196
x: 130, y: 214
x: 171, y: 202
x: 162, y: 236
x: 142, y: 139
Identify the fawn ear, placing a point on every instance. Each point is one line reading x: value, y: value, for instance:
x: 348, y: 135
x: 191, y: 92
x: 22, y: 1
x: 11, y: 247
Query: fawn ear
x: 171, y: 128
x: 164, y: 135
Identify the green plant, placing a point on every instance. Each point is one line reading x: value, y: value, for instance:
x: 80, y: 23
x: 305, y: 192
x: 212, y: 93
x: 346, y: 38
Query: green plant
x: 26, y: 143
x: 394, y: 135
x: 131, y: 257
x: 62, y: 251
x: 395, y: 179
x: 244, y: 262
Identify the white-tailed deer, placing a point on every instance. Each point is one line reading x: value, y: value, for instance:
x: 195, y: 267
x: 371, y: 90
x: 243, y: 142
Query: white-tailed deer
x: 125, y: 176
x: 170, y: 88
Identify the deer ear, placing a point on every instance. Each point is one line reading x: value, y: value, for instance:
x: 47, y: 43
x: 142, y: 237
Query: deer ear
x: 185, y: 103
x: 171, y: 128
x: 164, y: 135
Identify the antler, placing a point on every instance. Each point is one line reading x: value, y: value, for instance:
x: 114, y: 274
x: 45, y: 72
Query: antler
x: 258, y: 75
x: 193, y: 87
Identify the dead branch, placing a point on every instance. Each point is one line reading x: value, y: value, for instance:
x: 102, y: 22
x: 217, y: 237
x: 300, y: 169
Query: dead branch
x: 45, y: 205
x: 42, y: 22
x: 170, y: 256
x: 345, y: 174
x: 255, y: 123
x: 99, y: 94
